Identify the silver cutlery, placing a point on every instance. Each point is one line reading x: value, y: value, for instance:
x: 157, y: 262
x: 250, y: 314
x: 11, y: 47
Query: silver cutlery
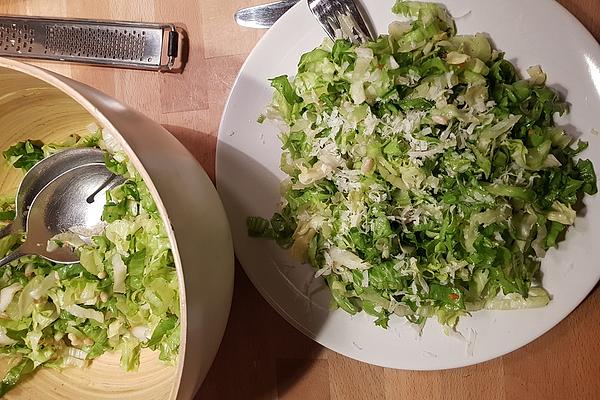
x: 341, y: 19
x: 75, y: 198
x: 264, y: 15
x: 41, y: 174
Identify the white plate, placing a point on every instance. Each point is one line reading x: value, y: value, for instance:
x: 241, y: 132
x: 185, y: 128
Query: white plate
x: 530, y: 32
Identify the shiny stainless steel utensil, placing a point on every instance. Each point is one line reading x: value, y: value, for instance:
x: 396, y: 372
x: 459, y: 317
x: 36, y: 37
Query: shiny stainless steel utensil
x: 74, y: 199
x: 136, y: 45
x: 341, y: 19
x: 264, y: 15
x: 43, y: 173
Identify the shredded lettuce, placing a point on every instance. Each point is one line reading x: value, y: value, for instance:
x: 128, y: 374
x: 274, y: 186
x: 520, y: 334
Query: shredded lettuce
x: 121, y: 296
x: 426, y: 178
x: 15, y: 374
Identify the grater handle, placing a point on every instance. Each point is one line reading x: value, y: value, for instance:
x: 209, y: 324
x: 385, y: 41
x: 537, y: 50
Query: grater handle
x: 173, y: 46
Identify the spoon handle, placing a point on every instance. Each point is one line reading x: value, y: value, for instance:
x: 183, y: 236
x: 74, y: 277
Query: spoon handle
x: 7, y: 230
x: 18, y: 253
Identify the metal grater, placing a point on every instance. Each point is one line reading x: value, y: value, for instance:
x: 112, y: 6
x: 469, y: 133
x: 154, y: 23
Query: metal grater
x: 137, y: 45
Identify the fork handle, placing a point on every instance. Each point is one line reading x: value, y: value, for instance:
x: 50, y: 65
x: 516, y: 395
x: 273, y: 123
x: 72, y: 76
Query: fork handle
x: 16, y: 254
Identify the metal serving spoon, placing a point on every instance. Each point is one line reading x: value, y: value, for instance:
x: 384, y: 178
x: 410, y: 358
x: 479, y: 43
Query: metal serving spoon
x: 43, y: 173
x: 75, y: 198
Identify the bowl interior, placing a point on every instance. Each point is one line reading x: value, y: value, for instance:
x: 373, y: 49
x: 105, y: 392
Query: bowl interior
x: 33, y: 109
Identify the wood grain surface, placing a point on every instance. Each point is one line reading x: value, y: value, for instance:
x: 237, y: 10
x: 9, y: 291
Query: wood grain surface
x: 262, y: 356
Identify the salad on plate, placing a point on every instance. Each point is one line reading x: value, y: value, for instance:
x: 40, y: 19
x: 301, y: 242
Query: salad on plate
x: 425, y: 176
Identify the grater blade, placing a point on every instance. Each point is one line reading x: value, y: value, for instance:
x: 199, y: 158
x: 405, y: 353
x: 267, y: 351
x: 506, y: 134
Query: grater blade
x: 149, y: 46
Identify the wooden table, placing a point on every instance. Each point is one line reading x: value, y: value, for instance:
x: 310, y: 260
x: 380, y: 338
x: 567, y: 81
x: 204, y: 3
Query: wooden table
x: 262, y: 357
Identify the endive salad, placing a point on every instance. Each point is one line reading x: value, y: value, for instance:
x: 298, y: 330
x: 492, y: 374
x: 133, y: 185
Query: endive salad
x: 426, y: 177
x: 122, y: 295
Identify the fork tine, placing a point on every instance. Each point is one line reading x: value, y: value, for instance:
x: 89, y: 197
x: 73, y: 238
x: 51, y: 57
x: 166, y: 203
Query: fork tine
x: 359, y: 20
x: 340, y: 16
x: 347, y: 21
x: 321, y: 9
x: 336, y: 13
x: 336, y: 10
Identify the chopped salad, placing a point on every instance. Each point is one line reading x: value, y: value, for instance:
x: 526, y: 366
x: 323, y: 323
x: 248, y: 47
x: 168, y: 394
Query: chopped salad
x: 426, y: 177
x: 122, y: 295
